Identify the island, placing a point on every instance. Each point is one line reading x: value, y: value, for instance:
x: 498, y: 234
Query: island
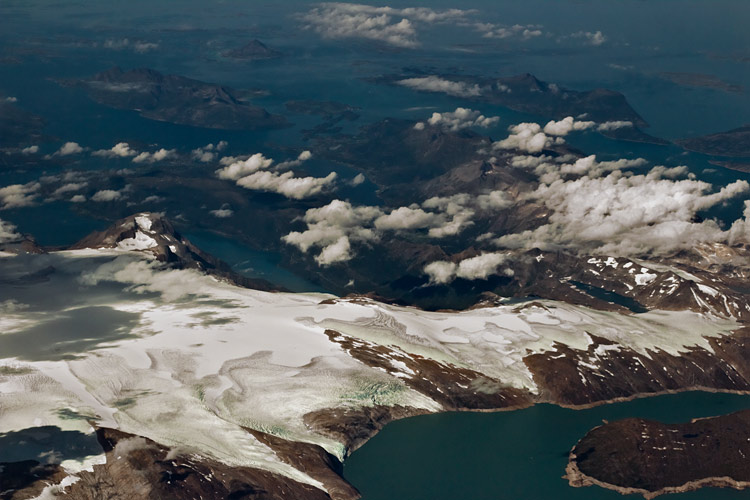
x: 254, y: 50
x: 733, y: 143
x: 652, y: 458
x: 176, y: 99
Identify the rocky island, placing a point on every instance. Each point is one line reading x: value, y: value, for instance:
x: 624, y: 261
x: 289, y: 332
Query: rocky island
x: 652, y: 458
x: 733, y: 143
x: 176, y: 99
x: 254, y: 50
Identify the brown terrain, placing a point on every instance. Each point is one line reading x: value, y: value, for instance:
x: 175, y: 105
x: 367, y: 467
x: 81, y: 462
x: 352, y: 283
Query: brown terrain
x: 652, y: 458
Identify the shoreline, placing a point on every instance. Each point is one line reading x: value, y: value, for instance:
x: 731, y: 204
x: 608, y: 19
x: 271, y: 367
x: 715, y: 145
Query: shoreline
x: 578, y: 479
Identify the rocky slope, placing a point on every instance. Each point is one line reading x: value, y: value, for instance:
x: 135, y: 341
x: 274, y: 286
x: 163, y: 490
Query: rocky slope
x: 154, y: 234
x: 235, y: 392
x: 652, y: 458
x: 176, y: 99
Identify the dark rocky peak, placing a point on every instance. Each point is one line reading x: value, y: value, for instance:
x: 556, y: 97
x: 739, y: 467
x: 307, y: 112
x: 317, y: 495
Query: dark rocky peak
x: 254, y: 49
x: 154, y: 234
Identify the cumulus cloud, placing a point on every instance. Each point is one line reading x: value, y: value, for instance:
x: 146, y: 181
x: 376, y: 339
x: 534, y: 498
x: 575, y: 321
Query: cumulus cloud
x: 357, y: 180
x: 550, y: 169
x: 527, y: 137
x: 524, y: 32
x: 566, y: 126
x: 106, y: 195
x: 474, y: 268
x: 31, y: 150
x: 411, y: 217
x: 68, y: 149
x: 79, y: 198
x: 614, y: 125
x: 209, y: 152
x: 595, y: 38
x: 301, y: 158
x: 385, y: 24
x: 18, y: 195
x: 121, y: 150
x: 254, y: 173
x: 434, y: 83
x: 223, y: 212
x: 286, y: 184
x: 159, y: 155
x: 139, y: 46
x: 145, y: 276
x: 11, y: 99
x: 332, y: 228
x: 240, y: 168
x: 624, y: 214
x: 340, y: 225
x: 459, y: 119
x: 69, y: 188
x: 8, y: 232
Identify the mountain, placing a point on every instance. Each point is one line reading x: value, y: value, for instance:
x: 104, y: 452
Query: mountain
x: 254, y: 50
x: 197, y: 386
x: 152, y: 233
x: 176, y: 99
x: 734, y: 143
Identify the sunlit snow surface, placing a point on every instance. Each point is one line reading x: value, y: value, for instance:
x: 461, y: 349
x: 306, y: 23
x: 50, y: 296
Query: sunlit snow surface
x: 187, y: 360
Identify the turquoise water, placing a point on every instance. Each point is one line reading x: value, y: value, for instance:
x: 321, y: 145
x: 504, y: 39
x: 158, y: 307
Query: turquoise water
x: 518, y: 455
x: 252, y: 263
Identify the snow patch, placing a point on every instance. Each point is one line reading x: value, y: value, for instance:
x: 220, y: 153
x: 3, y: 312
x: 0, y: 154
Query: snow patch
x: 141, y: 241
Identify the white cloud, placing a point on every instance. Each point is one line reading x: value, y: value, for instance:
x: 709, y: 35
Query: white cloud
x: 459, y: 119
x: 79, y: 198
x: 286, y: 184
x: 240, y: 168
x: 67, y: 149
x: 159, y: 155
x: 209, y: 152
x: 11, y: 99
x: 614, y: 125
x: 69, y: 188
x: 434, y: 83
x: 357, y: 180
x: 524, y: 32
x: 8, y: 232
x: 385, y: 24
x: 223, y: 212
x: 625, y: 214
x: 121, y: 150
x: 18, y: 195
x: 337, y: 251
x: 474, y: 268
x: 441, y: 217
x: 595, y: 38
x: 106, y: 195
x: 550, y: 169
x: 252, y: 173
x: 408, y: 218
x: 566, y: 126
x: 458, y: 211
x: 441, y: 271
x: 301, y: 158
x: 327, y: 225
x: 125, y: 43
x: 527, y: 137
x: 31, y: 150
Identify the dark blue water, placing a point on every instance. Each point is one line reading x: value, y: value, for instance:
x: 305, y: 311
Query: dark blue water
x: 643, y: 39
x: 509, y: 455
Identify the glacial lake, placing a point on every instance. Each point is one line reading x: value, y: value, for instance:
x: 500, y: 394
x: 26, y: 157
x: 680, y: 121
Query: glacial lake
x: 514, y: 455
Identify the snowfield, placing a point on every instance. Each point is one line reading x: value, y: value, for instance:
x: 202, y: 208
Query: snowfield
x: 206, y: 358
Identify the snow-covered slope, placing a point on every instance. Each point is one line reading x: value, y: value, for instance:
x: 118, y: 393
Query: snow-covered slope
x: 190, y: 361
